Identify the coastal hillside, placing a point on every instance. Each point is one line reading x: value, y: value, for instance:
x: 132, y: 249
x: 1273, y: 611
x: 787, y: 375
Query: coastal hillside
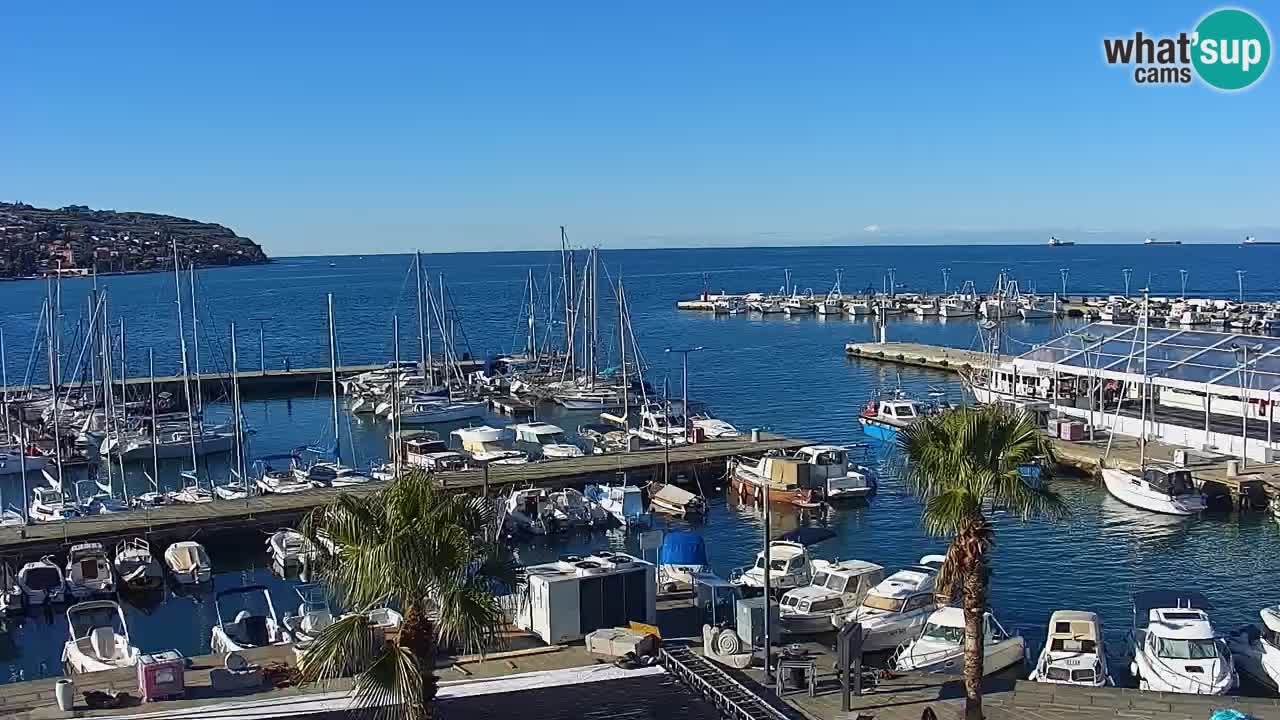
x: 36, y: 241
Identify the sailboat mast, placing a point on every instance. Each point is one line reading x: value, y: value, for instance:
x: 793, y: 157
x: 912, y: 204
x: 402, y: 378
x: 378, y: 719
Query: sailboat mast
x: 155, y: 439
x: 533, y: 330
x: 333, y: 384
x: 1142, y: 440
x: 235, y: 412
x: 8, y: 432
x: 182, y: 348
x: 53, y: 386
x: 108, y: 398
x: 424, y: 328
x: 622, y: 352
x: 195, y: 337
x: 395, y: 392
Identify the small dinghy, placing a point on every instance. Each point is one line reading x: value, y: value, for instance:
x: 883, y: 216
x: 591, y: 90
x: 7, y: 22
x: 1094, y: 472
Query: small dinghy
x: 42, y: 582
x: 99, y: 638
x: 137, y: 567
x: 188, y: 563
x: 88, y: 571
x: 290, y: 547
x: 255, y: 624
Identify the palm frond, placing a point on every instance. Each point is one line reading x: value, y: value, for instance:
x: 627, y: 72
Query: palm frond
x: 392, y: 687
x: 347, y: 645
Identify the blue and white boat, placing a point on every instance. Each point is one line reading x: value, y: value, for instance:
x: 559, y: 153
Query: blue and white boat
x: 625, y: 503
x: 882, y: 419
x: 682, y: 556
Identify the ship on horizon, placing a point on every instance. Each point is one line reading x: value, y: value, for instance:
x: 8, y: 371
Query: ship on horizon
x: 1055, y: 242
x: 1153, y: 241
x: 1251, y: 240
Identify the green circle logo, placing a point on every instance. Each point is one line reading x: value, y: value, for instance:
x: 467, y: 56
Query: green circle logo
x: 1232, y: 49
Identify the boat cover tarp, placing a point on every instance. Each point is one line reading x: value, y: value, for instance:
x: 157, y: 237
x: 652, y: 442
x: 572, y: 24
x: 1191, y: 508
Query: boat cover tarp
x: 683, y: 548
x: 674, y: 496
x: 184, y: 558
x: 808, y: 535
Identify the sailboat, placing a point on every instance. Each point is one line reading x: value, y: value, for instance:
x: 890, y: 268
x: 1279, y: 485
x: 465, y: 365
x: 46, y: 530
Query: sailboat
x: 1160, y: 488
x: 331, y: 473
x: 237, y: 486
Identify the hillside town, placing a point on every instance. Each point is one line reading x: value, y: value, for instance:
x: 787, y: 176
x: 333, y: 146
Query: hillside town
x: 79, y: 240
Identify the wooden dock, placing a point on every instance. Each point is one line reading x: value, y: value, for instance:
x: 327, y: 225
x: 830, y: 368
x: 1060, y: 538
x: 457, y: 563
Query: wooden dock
x: 180, y: 522
x: 934, y: 357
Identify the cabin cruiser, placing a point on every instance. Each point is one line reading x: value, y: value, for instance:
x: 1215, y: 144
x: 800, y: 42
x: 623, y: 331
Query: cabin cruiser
x: 12, y: 460
x: 530, y: 510
x: 42, y: 582
x: 89, y: 571
x: 99, y: 638
x: 858, y: 308
x: 831, y: 471
x: 484, y: 445
x: 882, y: 419
x: 136, y: 566
x: 786, y: 479
x: 660, y: 427
x: 577, y: 511
x: 252, y: 626
x: 682, y: 556
x: 1174, y: 647
x: 547, y: 440
x: 671, y: 500
x: 789, y: 568
x: 188, y: 563
x: 1073, y: 651
x: 49, y: 505
x: 836, y: 587
x: 1115, y: 311
x: 1159, y: 488
x: 940, y: 646
x: 290, y: 547
x: 893, y: 612
x: 624, y: 503
x: 1256, y: 650
x: 441, y: 461
x: 713, y: 428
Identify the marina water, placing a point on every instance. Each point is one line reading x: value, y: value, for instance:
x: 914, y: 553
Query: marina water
x: 784, y: 374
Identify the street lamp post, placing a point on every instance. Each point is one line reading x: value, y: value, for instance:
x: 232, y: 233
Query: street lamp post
x: 946, y: 280
x: 1090, y: 339
x: 1240, y: 283
x: 684, y: 388
x: 1183, y: 273
x: 1064, y: 272
x: 1128, y: 273
x: 1242, y: 355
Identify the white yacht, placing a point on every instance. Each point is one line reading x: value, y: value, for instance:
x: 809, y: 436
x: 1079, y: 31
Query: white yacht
x: 99, y: 638
x: 49, y: 505
x: 137, y: 567
x: 547, y: 440
x: 893, y: 612
x: 1159, y: 488
x: 290, y: 547
x: 940, y: 646
x: 1256, y: 650
x: 1174, y: 647
x: 255, y: 624
x: 485, y: 446
x: 89, y: 571
x: 624, y: 503
x: 1073, y: 651
x: 789, y: 568
x: 42, y: 582
x: 832, y: 471
x: 836, y: 588
x: 188, y: 563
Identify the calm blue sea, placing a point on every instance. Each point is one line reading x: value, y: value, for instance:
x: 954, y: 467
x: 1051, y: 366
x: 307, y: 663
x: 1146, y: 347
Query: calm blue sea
x: 788, y: 375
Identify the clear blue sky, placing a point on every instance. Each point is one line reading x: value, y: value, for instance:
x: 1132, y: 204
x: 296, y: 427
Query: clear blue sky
x: 324, y: 127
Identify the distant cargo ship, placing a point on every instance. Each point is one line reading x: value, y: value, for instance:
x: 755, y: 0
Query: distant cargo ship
x: 1251, y: 240
x: 1153, y: 241
x: 1055, y: 242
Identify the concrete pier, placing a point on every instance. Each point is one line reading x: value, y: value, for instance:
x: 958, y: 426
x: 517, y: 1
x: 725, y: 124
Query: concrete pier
x: 935, y: 357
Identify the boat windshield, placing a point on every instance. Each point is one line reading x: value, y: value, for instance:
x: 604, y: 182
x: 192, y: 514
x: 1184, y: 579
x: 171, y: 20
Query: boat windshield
x: 837, y: 583
x: 943, y: 633
x: 551, y: 438
x: 777, y: 565
x: 880, y: 602
x: 820, y: 579
x: 1190, y: 649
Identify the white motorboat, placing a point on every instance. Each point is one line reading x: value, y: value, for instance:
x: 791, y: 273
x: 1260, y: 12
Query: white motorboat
x: 940, y: 646
x: 1256, y: 650
x: 530, y: 510
x: 929, y: 308
x: 1159, y: 488
x: 330, y: 474
x: 485, y: 446
x: 282, y: 481
x: 12, y: 461
x: 834, y: 474
x: 42, y: 582
x: 858, y: 308
x: 682, y: 557
x: 624, y: 503
x: 441, y: 461
x: 798, y: 305
x: 578, y: 511
x: 290, y: 547
x: 99, y: 638
x: 765, y: 306
x: 893, y: 612
x: 188, y: 563
x: 545, y: 440
x: 313, y: 614
x: 598, y: 399
x: 49, y: 505
x: 191, y: 492
x: 660, y: 427
x: 439, y: 411
x: 713, y: 428
x: 671, y: 500
x: 1174, y: 647
x: 137, y: 567
x: 957, y: 306
x: 1193, y: 318
x: 1035, y: 308
x: 89, y: 571
x: 1073, y: 651
x: 836, y: 588
x: 831, y: 305
x: 12, y: 517
x: 255, y: 623
x: 789, y: 568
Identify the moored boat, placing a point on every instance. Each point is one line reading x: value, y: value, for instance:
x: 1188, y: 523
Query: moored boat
x: 137, y: 567
x: 835, y: 588
x: 188, y: 563
x: 99, y: 638
x: 940, y: 646
x: 1074, y: 651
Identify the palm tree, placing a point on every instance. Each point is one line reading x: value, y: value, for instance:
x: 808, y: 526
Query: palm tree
x: 957, y: 462
x: 437, y: 556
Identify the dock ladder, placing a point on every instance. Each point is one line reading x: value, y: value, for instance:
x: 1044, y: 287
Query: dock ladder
x: 732, y: 698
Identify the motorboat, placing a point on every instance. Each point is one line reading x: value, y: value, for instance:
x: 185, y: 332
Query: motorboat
x: 836, y: 588
x: 660, y: 427
x: 99, y: 638
x: 929, y: 308
x: 713, y: 428
x: 999, y: 307
x: 893, y: 611
x: 11, y: 595
x: 530, y: 510
x: 882, y: 419
x: 137, y: 568
x: 668, y: 499
x: 236, y: 488
x: 606, y: 438
x: 681, y: 557
x: 858, y: 308
x: 188, y: 563
x: 830, y: 305
x: 255, y: 623
x: 591, y: 398
x: 313, y: 614
x: 281, y: 481
x: 92, y: 499
x: 578, y: 512
x: 766, y: 306
x: 1073, y: 651
x: 957, y: 306
x: 12, y: 461
x: 439, y: 411
x: 484, y: 444
x: 88, y: 571
x: 324, y: 473
x: 624, y: 503
x: 728, y: 306
x: 290, y: 547
x: 1116, y: 312
x: 798, y: 305
x: 832, y: 472
x: 786, y: 479
x: 546, y: 440
x: 1158, y: 488
x: 1032, y: 307
x: 1174, y: 647
x: 789, y: 568
x: 49, y: 505
x: 1256, y: 649
x: 441, y: 461
x: 1193, y: 318
x: 42, y: 582
x: 939, y: 648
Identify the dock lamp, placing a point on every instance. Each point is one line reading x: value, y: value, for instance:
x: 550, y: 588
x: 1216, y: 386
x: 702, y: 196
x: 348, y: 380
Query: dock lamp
x: 684, y: 387
x: 1242, y: 357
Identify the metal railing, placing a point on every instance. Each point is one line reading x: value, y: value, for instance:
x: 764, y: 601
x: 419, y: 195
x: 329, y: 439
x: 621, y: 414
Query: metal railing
x: 732, y: 698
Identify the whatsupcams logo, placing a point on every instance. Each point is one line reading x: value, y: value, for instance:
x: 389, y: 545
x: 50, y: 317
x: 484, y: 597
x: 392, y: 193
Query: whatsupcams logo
x: 1228, y: 50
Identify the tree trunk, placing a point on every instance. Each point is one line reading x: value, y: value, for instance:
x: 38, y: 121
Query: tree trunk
x: 418, y: 636
x: 974, y: 601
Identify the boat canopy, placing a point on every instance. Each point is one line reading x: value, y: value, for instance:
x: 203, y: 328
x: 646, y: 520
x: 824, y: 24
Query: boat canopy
x: 683, y: 548
x: 808, y: 535
x: 1146, y: 601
